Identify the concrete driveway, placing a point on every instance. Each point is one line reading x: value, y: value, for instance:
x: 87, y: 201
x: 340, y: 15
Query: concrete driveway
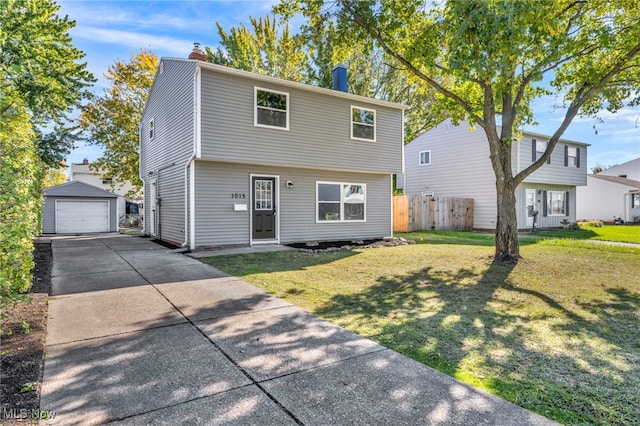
x: 138, y: 334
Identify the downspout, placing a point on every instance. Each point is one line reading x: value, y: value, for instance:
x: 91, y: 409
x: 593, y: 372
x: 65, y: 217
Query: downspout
x: 189, y: 227
x: 144, y: 184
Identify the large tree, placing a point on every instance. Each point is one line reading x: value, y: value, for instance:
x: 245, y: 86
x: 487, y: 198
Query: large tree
x: 111, y: 120
x: 43, y: 70
x: 309, y: 53
x: 489, y: 60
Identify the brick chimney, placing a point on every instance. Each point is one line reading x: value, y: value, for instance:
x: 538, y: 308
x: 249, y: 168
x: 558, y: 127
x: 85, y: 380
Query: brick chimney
x: 198, y: 54
x: 85, y: 162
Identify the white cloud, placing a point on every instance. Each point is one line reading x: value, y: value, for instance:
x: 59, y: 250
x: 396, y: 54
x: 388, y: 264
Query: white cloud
x: 161, y: 45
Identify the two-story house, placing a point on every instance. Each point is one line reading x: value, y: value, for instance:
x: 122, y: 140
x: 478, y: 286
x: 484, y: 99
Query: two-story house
x: 453, y: 161
x: 230, y: 157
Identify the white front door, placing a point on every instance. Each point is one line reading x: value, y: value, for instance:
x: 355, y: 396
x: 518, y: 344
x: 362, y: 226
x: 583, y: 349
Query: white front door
x: 153, y: 200
x: 530, y: 205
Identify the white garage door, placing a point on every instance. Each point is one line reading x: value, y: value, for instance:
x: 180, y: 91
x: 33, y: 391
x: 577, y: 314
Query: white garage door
x: 82, y: 216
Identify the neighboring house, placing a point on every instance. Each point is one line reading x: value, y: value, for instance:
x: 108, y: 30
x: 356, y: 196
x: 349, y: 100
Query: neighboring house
x: 453, y: 161
x: 230, y: 157
x: 612, y: 194
x: 82, y: 172
x: 76, y: 207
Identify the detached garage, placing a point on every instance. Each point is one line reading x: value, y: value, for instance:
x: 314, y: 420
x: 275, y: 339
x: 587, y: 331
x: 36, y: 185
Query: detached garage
x: 78, y: 208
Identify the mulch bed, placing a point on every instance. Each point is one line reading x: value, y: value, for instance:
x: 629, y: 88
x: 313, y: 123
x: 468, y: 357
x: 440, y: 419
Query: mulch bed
x: 22, y: 346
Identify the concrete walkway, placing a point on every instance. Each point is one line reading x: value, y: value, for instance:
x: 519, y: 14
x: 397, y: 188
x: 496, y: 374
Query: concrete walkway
x: 140, y: 335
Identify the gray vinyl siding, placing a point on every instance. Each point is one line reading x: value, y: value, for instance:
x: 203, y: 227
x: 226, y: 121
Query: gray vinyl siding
x: 318, y: 135
x: 218, y: 225
x: 555, y: 172
x: 460, y: 167
x: 171, y: 106
x: 49, y: 211
x: 544, y: 221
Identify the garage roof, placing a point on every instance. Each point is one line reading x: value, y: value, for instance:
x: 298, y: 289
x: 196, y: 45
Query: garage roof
x: 78, y: 189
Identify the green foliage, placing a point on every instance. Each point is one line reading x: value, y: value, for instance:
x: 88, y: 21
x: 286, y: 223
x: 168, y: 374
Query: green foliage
x: 487, y: 61
x: 41, y: 68
x: 111, y: 120
x: 20, y: 204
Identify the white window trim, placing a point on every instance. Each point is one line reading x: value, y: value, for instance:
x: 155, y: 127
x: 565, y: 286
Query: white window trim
x: 420, y: 158
x: 152, y: 127
x: 569, y: 156
x: 255, y: 107
x: 363, y: 124
x: 342, y: 219
x: 564, y: 203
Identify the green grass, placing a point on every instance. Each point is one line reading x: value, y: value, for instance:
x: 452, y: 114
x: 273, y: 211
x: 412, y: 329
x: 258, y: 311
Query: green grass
x: 618, y: 233
x: 557, y: 333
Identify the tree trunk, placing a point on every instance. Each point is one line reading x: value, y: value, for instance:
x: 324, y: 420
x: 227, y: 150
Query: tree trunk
x: 507, y: 245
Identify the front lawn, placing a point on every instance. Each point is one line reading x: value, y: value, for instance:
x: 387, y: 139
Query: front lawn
x: 557, y: 333
x: 618, y: 233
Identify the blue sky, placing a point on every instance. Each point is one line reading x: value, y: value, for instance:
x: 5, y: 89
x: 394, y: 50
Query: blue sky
x: 114, y: 30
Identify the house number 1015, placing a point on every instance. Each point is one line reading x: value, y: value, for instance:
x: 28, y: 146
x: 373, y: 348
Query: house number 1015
x: 238, y: 195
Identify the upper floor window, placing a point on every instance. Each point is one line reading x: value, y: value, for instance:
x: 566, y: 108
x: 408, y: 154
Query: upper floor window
x: 571, y: 156
x: 363, y: 124
x: 425, y: 157
x: 539, y: 148
x: 107, y: 181
x: 152, y: 129
x: 271, y: 109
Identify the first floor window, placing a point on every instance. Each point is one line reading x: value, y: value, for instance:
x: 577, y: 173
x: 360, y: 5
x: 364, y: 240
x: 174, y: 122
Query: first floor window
x: 425, y: 157
x: 340, y: 201
x: 635, y: 201
x: 556, y: 203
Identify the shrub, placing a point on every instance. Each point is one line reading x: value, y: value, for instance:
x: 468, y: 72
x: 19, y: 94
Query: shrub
x: 20, y: 205
x: 591, y: 224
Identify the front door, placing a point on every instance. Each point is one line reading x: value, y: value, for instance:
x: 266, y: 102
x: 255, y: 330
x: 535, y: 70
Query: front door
x: 264, y: 208
x: 531, y: 205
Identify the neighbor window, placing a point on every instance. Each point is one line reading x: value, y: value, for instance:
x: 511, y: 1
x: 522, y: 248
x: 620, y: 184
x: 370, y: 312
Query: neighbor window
x: 635, y: 201
x: 152, y: 129
x: 271, y: 108
x: 107, y: 181
x: 556, y: 203
x: 363, y: 123
x: 339, y: 202
x: 425, y: 157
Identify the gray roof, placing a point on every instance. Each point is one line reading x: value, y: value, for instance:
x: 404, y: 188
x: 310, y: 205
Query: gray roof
x: 618, y: 179
x: 78, y: 189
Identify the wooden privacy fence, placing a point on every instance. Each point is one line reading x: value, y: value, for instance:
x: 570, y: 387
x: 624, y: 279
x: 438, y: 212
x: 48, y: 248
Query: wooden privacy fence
x: 418, y: 213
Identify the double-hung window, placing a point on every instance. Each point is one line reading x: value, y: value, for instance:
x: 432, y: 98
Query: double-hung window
x: 271, y: 109
x: 556, y: 203
x: 363, y: 124
x: 340, y: 202
x: 425, y: 158
x: 152, y: 129
x: 571, y: 156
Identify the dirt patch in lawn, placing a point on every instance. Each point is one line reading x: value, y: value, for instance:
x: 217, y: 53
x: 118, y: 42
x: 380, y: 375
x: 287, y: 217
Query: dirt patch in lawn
x: 22, y: 345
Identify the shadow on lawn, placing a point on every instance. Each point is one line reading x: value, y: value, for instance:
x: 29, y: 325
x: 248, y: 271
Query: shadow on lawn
x: 466, y: 323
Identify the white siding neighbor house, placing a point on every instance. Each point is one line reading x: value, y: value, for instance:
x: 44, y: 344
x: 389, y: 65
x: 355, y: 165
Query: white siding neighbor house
x: 229, y: 157
x: 453, y: 161
x: 82, y: 172
x: 613, y: 194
